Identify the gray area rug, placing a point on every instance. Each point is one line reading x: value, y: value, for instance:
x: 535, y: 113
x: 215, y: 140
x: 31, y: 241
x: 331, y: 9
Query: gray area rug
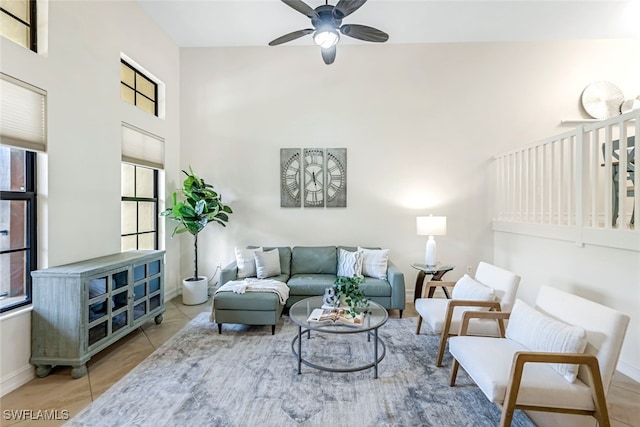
x: 247, y: 377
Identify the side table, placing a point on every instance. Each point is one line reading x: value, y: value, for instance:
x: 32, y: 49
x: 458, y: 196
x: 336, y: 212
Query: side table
x: 436, y: 272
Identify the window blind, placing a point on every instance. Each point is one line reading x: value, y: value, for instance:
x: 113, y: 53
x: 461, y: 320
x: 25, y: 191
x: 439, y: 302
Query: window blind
x: 141, y: 147
x: 22, y: 115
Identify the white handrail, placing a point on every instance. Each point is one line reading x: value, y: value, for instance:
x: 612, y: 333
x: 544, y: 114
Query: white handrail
x: 568, y: 179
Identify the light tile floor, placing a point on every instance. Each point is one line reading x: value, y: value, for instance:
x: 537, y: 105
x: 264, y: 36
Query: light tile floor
x: 60, y: 392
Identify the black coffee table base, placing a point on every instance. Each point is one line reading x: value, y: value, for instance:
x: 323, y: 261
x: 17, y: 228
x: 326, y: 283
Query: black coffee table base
x: 377, y: 355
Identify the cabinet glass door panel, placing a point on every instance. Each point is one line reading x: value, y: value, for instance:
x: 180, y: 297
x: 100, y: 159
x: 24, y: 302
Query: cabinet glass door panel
x: 119, y: 300
x: 97, y: 332
x: 120, y: 279
x: 154, y: 285
x: 97, y: 287
x: 97, y: 310
x: 139, y: 310
x: 154, y: 302
x: 154, y: 267
x: 139, y: 291
x: 139, y: 272
x: 118, y: 321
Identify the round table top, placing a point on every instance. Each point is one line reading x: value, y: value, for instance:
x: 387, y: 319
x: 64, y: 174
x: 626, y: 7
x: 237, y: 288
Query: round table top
x: 301, y: 310
x: 432, y: 269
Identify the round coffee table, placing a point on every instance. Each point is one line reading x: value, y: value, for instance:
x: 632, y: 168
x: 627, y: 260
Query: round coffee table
x: 299, y: 314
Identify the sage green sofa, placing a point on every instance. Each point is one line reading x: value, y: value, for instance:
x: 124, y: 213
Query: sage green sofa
x: 308, y: 271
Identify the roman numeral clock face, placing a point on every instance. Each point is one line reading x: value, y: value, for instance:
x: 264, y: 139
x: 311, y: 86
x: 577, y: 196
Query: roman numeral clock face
x: 313, y: 177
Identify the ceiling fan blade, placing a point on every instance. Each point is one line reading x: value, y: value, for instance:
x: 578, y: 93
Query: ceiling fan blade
x: 347, y: 7
x: 301, y: 7
x: 329, y: 55
x: 291, y: 36
x: 363, y: 32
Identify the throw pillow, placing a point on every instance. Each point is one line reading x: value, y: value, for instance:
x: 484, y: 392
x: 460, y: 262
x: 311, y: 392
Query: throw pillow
x: 246, y: 262
x: 467, y: 288
x: 539, y: 332
x: 267, y: 263
x: 374, y: 262
x: 349, y: 263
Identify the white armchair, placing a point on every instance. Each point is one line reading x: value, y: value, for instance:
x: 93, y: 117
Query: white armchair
x: 559, y: 357
x: 494, y: 289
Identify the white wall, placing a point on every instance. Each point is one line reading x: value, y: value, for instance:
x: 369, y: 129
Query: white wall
x: 79, y: 187
x: 420, y: 124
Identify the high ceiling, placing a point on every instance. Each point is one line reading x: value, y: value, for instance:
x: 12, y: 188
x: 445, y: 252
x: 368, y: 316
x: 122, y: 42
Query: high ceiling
x: 256, y: 22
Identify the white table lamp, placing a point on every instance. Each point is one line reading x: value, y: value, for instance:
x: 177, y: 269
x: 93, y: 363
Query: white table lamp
x: 431, y: 226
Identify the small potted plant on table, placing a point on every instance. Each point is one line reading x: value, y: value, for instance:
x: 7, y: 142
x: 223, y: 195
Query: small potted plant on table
x: 348, y: 292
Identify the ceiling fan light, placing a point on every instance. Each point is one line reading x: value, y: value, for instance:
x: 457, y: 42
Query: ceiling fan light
x: 326, y: 38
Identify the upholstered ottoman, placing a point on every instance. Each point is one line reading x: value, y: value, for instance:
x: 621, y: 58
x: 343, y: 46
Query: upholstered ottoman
x: 250, y: 308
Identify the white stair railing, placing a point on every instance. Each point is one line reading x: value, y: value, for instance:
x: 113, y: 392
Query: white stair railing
x: 567, y: 179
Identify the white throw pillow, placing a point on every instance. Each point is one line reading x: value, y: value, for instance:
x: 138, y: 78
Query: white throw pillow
x: 374, y: 262
x: 246, y: 262
x: 467, y: 288
x: 349, y: 263
x: 267, y: 263
x: 538, y: 332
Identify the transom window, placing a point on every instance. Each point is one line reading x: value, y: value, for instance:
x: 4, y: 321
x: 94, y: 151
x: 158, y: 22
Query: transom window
x: 137, y: 89
x: 18, y: 22
x: 139, y: 208
x: 17, y: 226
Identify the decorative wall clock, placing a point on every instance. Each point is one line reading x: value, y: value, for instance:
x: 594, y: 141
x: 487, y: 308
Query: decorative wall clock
x: 313, y: 177
x: 290, y: 166
x: 336, y: 177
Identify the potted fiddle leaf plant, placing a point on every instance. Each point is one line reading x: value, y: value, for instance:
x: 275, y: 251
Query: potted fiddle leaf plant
x: 347, y: 290
x: 201, y: 206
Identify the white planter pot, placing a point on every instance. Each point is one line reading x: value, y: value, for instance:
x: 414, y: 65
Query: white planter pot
x: 195, y: 292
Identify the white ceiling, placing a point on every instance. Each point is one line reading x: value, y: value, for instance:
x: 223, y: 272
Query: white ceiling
x: 256, y: 22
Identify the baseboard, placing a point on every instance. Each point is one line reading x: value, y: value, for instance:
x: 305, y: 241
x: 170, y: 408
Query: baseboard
x: 628, y: 370
x: 169, y: 295
x: 17, y: 379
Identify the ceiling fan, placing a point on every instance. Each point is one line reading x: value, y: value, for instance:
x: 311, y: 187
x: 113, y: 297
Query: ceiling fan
x: 327, y: 26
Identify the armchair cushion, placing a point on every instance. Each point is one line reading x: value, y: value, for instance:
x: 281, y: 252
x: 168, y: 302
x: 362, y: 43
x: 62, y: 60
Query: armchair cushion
x: 434, y: 311
x: 489, y: 365
x: 467, y: 288
x: 538, y: 332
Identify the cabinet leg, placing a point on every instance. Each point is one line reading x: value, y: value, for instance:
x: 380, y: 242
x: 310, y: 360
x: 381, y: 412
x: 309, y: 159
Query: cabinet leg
x: 158, y: 319
x: 78, y: 371
x: 43, y: 370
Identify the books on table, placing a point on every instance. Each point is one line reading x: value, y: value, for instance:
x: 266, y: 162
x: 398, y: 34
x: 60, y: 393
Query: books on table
x: 335, y: 315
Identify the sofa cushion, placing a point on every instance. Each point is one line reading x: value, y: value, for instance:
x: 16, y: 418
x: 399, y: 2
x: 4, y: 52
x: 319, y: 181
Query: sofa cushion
x: 246, y: 262
x: 314, y: 260
x: 538, y: 332
x: 285, y: 259
x: 375, y: 287
x: 267, y: 263
x: 375, y: 262
x: 349, y: 263
x: 310, y: 284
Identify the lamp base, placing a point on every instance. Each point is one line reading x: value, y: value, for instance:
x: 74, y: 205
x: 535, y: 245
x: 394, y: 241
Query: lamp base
x: 430, y: 257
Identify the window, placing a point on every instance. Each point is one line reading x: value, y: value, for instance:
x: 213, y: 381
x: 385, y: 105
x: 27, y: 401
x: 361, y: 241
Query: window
x: 139, y: 207
x: 17, y: 226
x: 18, y: 22
x: 137, y: 89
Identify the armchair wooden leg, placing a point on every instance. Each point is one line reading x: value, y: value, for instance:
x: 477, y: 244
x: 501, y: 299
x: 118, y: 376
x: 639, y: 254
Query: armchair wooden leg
x: 443, y: 343
x: 419, y: 325
x: 454, y: 372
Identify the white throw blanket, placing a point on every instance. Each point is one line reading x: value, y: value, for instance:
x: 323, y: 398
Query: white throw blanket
x: 251, y: 284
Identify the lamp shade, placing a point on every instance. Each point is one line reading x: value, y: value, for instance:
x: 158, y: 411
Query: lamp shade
x: 431, y: 225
